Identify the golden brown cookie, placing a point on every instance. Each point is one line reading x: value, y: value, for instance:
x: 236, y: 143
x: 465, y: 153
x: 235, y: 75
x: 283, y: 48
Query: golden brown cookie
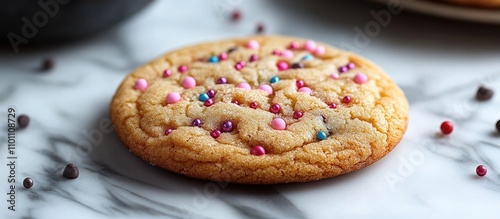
x: 260, y: 110
x: 477, y: 3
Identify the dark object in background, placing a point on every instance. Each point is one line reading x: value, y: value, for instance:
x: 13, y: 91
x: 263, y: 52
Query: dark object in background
x: 71, y: 171
x: 23, y: 121
x: 61, y: 20
x: 484, y: 93
x: 47, y: 64
x: 28, y: 182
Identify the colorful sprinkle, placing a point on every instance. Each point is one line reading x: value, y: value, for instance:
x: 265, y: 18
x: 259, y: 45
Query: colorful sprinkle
x: 294, y: 45
x: 351, y: 65
x: 141, y: 84
x: 260, y: 28
x: 481, y: 170
x: 213, y: 59
x: 310, y: 45
x: 209, y: 102
x: 23, y: 121
x: 254, y: 105
x: 297, y: 65
x: 258, y: 150
x: 28, y: 182
x: 321, y: 135
x: 182, y: 68
x: 275, y: 108
x: 188, y: 82
x: 274, y: 79
x: 253, y: 58
x: 334, y: 75
x: 320, y: 50
x: 282, y: 66
x: 173, y: 97
x: 307, y: 57
x: 277, y: 52
x: 223, y: 56
x: 167, y: 73
x: 346, y: 99
x: 343, y: 69
x: 332, y: 105
x: 240, y: 65
x: 298, y: 114
x: 278, y: 124
x: 484, y: 93
x: 360, y: 78
x: 267, y: 88
x: 196, y: 122
x: 236, y: 15
x: 211, y: 93
x: 305, y: 90
x: 244, y: 85
x: 235, y: 102
x: 287, y: 54
x: 222, y: 80
x: 71, y: 171
x: 252, y: 44
x: 203, y: 97
x: 227, y: 126
x: 168, y: 131
x: 215, y: 133
x: 446, y: 127
x: 300, y: 83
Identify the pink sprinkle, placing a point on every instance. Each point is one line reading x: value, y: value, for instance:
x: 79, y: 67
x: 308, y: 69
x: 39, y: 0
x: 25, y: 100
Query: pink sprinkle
x: 282, y: 66
x: 141, y: 84
x: 287, y: 54
x: 167, y: 73
x: 360, y: 78
x: 222, y: 56
x: 252, y: 44
x: 305, y: 90
x: 320, y: 50
x: 277, y: 52
x: 294, y: 45
x: 244, y: 85
x: 253, y: 58
x: 173, y: 97
x: 310, y: 46
x: 238, y: 66
x: 278, y: 124
x: 334, y: 75
x: 188, y: 82
x: 182, y: 68
x: 267, y: 88
x: 258, y: 150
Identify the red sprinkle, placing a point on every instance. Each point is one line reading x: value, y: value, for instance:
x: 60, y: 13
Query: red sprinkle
x: 333, y: 106
x: 254, y: 105
x: 346, y: 99
x: 222, y: 56
x: 167, y: 73
x: 215, y: 133
x: 299, y: 83
x: 258, y: 150
x: 282, y: 66
x: 275, y: 108
x: 209, y: 102
x: 168, y: 131
x: 446, y: 127
x: 182, y: 68
x: 235, y: 102
x: 481, y: 170
x: 297, y: 114
x: 236, y: 15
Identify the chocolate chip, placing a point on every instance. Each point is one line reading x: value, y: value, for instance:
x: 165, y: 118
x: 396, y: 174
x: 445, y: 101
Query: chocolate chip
x: 71, y: 171
x: 232, y: 49
x: 47, y: 64
x: 23, y: 121
x: 28, y: 182
x: 484, y: 93
x: 260, y: 28
x: 298, y: 65
x: 498, y: 126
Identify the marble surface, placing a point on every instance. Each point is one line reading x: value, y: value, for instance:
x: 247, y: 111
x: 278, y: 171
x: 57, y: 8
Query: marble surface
x: 439, y: 63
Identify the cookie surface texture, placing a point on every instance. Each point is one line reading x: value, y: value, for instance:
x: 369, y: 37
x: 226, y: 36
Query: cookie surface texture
x: 260, y: 110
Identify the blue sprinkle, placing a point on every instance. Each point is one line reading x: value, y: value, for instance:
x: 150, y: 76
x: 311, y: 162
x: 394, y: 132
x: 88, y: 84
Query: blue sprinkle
x: 307, y: 57
x: 274, y: 79
x: 321, y: 135
x: 203, y: 97
x: 213, y: 59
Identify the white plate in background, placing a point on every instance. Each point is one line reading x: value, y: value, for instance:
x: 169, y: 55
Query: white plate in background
x: 452, y: 11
